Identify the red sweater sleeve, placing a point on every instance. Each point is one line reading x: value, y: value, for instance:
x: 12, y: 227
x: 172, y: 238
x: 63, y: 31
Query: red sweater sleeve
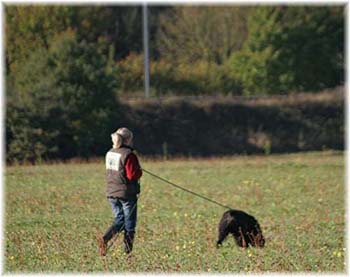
x: 133, y: 168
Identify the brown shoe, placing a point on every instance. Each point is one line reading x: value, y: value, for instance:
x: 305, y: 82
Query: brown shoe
x: 102, y: 245
x: 128, y: 241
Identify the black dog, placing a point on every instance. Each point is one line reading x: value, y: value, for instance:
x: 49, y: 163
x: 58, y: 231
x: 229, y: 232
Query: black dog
x: 244, y: 228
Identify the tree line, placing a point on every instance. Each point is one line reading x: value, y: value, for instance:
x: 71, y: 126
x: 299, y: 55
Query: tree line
x: 66, y: 66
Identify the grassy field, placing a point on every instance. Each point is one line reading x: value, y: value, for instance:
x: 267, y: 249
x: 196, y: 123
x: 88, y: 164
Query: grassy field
x: 52, y: 213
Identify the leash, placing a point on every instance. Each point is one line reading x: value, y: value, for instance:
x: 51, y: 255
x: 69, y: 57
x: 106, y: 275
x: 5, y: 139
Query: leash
x: 187, y: 190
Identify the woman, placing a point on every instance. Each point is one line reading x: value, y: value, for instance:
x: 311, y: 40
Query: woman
x: 123, y: 174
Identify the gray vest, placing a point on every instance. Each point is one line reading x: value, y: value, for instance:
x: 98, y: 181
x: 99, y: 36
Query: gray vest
x: 117, y: 183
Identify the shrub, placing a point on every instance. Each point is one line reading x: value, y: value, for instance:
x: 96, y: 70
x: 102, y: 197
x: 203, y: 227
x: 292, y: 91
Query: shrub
x: 183, y: 79
x: 130, y: 73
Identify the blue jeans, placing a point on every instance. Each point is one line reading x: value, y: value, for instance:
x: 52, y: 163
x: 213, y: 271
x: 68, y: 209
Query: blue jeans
x: 125, y: 216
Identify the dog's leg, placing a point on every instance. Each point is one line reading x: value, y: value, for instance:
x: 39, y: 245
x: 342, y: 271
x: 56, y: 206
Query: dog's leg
x: 223, y: 232
x: 240, y: 238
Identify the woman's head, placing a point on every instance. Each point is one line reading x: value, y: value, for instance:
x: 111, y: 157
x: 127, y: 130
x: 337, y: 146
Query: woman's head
x: 122, y: 136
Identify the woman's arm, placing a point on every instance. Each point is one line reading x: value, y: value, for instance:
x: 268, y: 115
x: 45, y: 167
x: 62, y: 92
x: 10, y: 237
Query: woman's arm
x: 133, y: 168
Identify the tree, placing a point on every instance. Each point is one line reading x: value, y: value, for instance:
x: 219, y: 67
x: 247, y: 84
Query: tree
x: 61, y: 103
x: 32, y: 111
x: 29, y: 27
x: 291, y: 49
x: 206, y: 34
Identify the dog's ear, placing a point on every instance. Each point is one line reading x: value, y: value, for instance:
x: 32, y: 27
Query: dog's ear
x: 259, y: 240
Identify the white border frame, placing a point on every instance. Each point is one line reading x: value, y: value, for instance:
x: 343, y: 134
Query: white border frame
x: 180, y: 2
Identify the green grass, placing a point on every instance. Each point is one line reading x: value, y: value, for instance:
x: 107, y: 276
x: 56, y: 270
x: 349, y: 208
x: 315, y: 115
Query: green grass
x: 53, y: 212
